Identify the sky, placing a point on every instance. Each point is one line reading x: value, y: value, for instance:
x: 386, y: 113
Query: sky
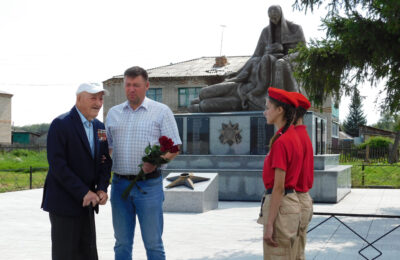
x: 49, y: 47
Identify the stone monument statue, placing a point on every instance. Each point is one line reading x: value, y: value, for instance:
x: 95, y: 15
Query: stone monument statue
x: 270, y: 65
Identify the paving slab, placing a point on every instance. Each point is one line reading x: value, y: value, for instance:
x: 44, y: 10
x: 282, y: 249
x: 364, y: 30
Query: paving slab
x: 229, y: 232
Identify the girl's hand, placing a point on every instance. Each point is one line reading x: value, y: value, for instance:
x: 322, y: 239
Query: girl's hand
x: 268, y: 236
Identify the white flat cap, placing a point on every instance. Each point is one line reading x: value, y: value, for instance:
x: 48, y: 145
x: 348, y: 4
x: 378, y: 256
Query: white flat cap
x: 91, y: 88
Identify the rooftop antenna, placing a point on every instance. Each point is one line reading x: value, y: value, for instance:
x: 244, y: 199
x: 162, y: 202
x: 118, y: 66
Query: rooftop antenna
x: 222, y: 38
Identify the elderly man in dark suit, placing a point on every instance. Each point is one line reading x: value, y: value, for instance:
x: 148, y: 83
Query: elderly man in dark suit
x: 79, y: 174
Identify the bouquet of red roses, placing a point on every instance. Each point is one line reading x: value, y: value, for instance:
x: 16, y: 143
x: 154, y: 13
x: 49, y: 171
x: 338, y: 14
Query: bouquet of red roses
x: 154, y: 156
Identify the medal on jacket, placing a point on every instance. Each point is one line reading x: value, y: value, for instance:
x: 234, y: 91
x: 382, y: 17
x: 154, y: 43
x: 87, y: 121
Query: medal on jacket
x: 102, y: 135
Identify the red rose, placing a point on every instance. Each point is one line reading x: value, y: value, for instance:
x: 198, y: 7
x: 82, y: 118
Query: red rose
x: 165, y: 143
x: 174, y: 149
x: 162, y: 140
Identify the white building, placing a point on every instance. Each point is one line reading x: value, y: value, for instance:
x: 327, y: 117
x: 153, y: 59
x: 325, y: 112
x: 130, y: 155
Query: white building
x: 5, y: 117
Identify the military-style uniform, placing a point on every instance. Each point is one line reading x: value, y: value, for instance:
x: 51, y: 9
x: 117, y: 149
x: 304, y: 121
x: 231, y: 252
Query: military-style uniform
x: 305, y: 181
x: 304, y: 184
x: 285, y: 154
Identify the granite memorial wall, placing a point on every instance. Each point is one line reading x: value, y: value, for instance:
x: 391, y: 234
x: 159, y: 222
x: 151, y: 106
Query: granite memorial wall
x: 238, y: 133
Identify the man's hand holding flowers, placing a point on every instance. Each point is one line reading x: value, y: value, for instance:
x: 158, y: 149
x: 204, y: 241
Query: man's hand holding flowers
x: 156, y: 155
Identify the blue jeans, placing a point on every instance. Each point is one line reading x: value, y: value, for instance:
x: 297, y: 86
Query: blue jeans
x: 148, y: 208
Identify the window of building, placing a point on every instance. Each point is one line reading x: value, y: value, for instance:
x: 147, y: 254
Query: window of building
x: 335, y: 130
x: 155, y: 94
x: 186, y: 95
x: 335, y: 110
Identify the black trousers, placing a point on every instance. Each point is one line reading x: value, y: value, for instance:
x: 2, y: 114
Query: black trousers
x: 71, y: 237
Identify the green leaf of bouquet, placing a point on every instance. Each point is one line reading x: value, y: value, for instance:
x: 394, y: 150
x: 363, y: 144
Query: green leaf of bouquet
x: 148, y: 149
x: 146, y: 159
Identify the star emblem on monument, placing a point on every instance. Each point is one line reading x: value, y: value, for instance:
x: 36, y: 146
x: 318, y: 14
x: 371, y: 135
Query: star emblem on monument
x: 230, y: 134
x: 186, y: 179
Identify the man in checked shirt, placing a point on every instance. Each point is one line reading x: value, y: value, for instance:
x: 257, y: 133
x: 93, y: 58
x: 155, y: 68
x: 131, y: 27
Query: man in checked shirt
x: 131, y: 127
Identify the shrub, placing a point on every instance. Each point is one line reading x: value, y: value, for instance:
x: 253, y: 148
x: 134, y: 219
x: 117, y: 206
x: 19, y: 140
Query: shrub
x: 377, y: 142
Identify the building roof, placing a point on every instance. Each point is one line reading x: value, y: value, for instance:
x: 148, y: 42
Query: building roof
x: 200, y: 67
x: 5, y: 93
x: 20, y: 131
x: 369, y: 130
x: 343, y: 135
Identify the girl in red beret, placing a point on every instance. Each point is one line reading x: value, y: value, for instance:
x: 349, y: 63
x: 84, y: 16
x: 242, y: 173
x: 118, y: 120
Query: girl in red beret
x: 306, y: 177
x: 280, y: 211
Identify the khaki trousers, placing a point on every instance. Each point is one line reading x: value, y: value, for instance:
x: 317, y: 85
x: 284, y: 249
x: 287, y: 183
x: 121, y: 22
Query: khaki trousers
x: 306, y: 204
x: 286, y: 227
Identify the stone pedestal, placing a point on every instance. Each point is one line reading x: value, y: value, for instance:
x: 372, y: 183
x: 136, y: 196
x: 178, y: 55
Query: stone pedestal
x: 332, y: 182
x: 202, y: 198
x: 240, y: 176
x: 234, y: 145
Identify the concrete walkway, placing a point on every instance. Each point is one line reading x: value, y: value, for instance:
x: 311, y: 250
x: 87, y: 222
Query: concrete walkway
x: 230, y: 232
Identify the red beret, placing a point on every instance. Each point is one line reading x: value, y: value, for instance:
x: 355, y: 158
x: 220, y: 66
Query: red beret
x: 301, y: 99
x: 282, y: 96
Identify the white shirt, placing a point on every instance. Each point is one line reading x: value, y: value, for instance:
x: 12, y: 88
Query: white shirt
x: 130, y: 131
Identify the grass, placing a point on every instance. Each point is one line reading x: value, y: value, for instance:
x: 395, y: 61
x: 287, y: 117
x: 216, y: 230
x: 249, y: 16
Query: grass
x: 14, y: 170
x: 19, y: 159
x: 375, y: 175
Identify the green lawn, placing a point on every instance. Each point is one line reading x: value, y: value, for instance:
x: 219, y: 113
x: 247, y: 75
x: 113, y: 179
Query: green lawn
x: 19, y: 159
x: 375, y: 175
x: 14, y: 170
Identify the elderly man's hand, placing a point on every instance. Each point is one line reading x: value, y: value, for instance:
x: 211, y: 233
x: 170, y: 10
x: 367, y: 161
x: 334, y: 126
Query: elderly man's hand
x: 103, y: 196
x: 103, y: 158
x: 90, y: 197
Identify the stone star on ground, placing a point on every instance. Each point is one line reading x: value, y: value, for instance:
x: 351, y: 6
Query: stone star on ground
x: 185, y: 179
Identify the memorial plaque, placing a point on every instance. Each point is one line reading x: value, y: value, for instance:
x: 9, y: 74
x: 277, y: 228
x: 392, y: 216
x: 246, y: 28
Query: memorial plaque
x: 317, y: 136
x: 323, y: 136
x: 179, y: 123
x: 260, y: 134
x: 198, y: 135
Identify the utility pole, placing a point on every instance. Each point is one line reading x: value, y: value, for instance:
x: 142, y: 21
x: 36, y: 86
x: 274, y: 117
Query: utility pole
x: 222, y: 38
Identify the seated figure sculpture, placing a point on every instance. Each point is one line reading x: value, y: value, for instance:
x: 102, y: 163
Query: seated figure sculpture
x: 270, y: 65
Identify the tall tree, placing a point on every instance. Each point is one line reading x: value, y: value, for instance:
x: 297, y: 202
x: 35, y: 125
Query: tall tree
x: 361, y: 44
x: 356, y: 116
x: 388, y: 121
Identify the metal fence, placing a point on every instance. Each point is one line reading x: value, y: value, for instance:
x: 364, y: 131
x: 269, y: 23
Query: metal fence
x: 365, y: 175
x: 369, y: 244
x: 356, y: 154
x: 370, y: 166
x: 22, y: 179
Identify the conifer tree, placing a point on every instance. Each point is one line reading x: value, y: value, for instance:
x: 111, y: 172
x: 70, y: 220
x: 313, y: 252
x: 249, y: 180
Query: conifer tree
x: 356, y: 116
x: 361, y: 44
